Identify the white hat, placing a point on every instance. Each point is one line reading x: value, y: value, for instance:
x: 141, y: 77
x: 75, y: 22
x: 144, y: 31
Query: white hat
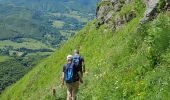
x: 69, y: 57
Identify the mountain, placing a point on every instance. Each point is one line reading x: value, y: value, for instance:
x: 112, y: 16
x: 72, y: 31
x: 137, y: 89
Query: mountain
x: 30, y: 30
x: 127, y: 54
x: 39, y: 19
x: 55, y: 5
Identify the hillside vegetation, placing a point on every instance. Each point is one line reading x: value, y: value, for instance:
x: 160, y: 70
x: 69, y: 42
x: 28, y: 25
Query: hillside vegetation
x: 48, y: 22
x: 30, y: 30
x: 131, y: 63
x: 34, y: 18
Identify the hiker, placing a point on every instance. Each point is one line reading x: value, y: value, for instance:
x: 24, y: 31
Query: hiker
x: 71, y: 76
x: 80, y: 60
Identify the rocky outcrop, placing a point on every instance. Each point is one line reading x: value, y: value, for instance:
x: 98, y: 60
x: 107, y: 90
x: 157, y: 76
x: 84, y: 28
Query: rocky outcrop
x: 152, y: 9
x: 120, y: 20
x: 103, y: 14
x: 107, y: 8
x: 167, y: 5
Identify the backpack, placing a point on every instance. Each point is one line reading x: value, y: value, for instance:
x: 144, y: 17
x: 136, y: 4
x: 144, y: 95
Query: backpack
x: 77, y: 60
x: 69, y: 71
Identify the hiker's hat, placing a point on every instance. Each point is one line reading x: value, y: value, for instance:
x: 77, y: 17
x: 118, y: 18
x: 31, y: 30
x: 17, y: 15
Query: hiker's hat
x: 69, y: 57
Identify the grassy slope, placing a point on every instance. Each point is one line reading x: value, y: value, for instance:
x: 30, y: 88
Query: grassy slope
x: 132, y: 63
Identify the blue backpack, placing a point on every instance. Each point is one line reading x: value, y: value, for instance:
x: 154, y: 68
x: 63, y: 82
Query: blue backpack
x: 69, y: 71
x: 77, y: 60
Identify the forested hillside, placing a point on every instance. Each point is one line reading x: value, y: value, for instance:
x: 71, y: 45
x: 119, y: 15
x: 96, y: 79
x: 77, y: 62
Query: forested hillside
x: 31, y: 30
x: 45, y: 20
x: 127, y: 54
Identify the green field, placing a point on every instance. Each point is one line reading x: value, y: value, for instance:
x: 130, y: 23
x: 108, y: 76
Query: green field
x: 67, y: 33
x: 39, y: 54
x: 72, y: 15
x: 4, y: 58
x: 28, y: 43
x: 58, y: 24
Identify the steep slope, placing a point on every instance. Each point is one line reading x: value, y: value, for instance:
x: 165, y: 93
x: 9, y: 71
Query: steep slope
x: 129, y: 62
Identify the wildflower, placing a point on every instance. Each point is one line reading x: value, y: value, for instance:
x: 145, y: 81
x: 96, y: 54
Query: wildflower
x: 138, y: 94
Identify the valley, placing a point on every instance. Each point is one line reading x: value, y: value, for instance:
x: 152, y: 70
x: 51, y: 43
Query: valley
x: 31, y: 31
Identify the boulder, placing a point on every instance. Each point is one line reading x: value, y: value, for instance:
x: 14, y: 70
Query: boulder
x: 106, y: 9
x: 102, y: 14
x: 167, y: 5
x: 151, y: 9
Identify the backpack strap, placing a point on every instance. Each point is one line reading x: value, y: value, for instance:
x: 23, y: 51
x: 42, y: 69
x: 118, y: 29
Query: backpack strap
x: 65, y: 66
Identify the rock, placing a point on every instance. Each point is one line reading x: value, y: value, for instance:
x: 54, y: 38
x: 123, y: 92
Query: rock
x: 106, y: 9
x: 127, y: 1
x: 130, y: 16
x: 167, y: 5
x: 151, y: 10
x: 117, y: 7
x: 113, y: 28
x: 103, y: 15
x: 120, y: 20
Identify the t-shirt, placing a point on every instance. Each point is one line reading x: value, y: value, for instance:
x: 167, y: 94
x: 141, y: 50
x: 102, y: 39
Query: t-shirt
x: 81, y: 61
x: 75, y: 71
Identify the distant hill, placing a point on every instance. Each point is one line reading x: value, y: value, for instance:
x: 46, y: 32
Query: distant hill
x: 20, y: 22
x: 36, y: 18
x: 56, y: 5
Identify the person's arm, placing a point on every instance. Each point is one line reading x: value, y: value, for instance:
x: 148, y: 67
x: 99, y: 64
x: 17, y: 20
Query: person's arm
x: 83, y: 65
x: 80, y: 77
x: 63, y: 77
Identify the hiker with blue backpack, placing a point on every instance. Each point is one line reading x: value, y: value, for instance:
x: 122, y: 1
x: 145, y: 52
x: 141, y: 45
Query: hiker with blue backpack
x: 71, y: 76
x: 79, y: 60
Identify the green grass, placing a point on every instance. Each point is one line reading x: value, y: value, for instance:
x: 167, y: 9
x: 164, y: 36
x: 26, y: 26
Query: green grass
x: 58, y: 24
x: 39, y: 54
x: 27, y: 43
x: 4, y: 58
x: 67, y: 33
x: 73, y: 14
x: 131, y: 64
x: 77, y: 16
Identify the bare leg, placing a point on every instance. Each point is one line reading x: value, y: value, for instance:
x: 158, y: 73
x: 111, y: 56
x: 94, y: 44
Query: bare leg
x: 69, y: 95
x: 69, y: 92
x: 75, y: 90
